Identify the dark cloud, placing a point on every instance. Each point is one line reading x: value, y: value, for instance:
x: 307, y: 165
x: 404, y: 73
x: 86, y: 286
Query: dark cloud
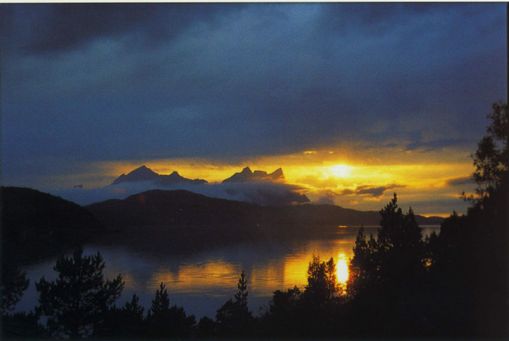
x: 437, y: 144
x: 438, y: 205
x: 327, y: 197
x: 62, y: 27
x: 374, y: 191
x: 460, y: 181
x: 146, y: 81
x: 71, y: 25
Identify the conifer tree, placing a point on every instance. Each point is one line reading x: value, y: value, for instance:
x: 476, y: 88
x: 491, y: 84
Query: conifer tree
x: 134, y: 308
x: 76, y: 302
x: 241, y: 295
x: 161, y: 302
x: 234, y: 317
x: 164, y: 320
x: 14, y: 283
x: 322, y: 285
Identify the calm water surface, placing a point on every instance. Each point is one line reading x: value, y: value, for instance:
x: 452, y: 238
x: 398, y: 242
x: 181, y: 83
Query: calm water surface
x: 201, y: 282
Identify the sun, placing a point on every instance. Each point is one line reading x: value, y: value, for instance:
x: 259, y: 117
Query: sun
x: 341, y: 171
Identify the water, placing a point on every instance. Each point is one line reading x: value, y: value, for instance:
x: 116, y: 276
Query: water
x: 201, y: 282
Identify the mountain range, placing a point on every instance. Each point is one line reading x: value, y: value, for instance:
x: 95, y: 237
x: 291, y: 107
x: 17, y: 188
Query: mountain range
x: 36, y: 224
x: 180, y: 207
x: 144, y: 173
x: 247, y: 175
x: 258, y: 187
x: 183, y: 221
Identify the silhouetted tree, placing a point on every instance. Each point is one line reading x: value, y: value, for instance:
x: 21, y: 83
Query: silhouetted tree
x: 206, y: 327
x: 315, y: 312
x: 469, y: 257
x: 125, y: 322
x: 134, y: 309
x: 22, y: 325
x: 491, y: 159
x: 161, y: 302
x: 166, y: 321
x: 283, y: 318
x: 284, y: 303
x: 76, y: 302
x: 241, y: 295
x: 234, y: 317
x: 388, y: 272
x: 322, y: 285
x: 319, y: 303
x: 362, y: 265
x: 396, y: 255
x: 14, y: 283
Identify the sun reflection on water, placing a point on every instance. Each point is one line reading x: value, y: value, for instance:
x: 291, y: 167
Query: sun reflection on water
x: 197, y: 277
x: 263, y: 280
x: 213, y: 279
x: 342, y: 272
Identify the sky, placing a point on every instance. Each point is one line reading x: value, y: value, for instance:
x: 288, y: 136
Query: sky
x: 353, y: 101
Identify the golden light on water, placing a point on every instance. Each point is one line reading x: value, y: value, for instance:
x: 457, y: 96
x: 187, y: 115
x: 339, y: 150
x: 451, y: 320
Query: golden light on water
x: 196, y: 277
x: 263, y: 279
x: 342, y: 272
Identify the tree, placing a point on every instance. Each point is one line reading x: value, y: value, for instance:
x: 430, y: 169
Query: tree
x: 487, y: 223
x: 491, y: 160
x: 161, y: 302
x: 134, y: 309
x: 127, y: 321
x: 319, y: 304
x: 387, y: 274
x: 284, y: 303
x: 206, y: 327
x: 164, y: 320
x: 22, y: 326
x: 398, y: 251
x: 76, y: 302
x: 282, y: 317
x: 322, y: 285
x: 241, y: 295
x: 14, y: 283
x: 234, y: 317
x: 364, y: 264
x: 470, y: 253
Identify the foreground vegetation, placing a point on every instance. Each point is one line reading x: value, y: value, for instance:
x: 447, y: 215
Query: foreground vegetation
x: 454, y: 284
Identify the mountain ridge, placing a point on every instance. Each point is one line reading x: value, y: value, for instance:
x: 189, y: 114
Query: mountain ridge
x: 246, y: 175
x: 170, y: 207
x: 144, y: 173
x: 37, y: 224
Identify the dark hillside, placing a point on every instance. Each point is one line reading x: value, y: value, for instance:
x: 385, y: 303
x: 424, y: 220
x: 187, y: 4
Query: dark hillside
x: 36, y: 224
x: 186, y: 211
x: 169, y: 208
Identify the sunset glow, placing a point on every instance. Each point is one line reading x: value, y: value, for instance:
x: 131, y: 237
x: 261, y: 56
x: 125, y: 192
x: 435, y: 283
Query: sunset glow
x: 356, y: 180
x: 347, y: 129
